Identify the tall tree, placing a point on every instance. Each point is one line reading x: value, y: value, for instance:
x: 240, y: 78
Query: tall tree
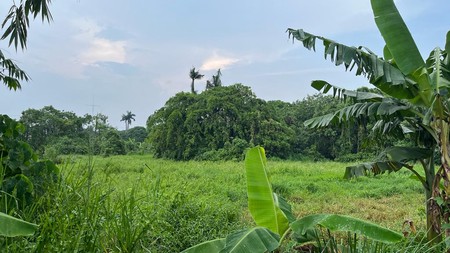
x: 415, y: 102
x: 127, y: 118
x: 16, y: 26
x: 194, y: 75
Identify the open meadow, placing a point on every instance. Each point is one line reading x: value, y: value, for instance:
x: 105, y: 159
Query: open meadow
x: 141, y: 204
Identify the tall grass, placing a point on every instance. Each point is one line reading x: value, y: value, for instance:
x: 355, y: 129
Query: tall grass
x: 140, y: 204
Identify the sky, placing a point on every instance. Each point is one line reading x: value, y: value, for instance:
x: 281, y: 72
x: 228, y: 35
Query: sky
x: 110, y: 57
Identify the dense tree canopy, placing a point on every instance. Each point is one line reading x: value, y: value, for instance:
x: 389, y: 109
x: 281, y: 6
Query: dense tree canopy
x: 223, y: 121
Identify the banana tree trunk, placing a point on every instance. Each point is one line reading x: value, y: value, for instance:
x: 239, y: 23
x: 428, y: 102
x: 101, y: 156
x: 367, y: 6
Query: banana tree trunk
x: 433, y: 210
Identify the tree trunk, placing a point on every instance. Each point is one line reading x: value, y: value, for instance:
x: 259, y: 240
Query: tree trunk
x: 434, y: 234
x: 192, y: 87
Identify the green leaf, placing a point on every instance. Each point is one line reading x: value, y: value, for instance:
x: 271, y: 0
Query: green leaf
x: 253, y: 240
x: 447, y: 43
x: 407, y: 154
x: 380, y: 72
x: 338, y: 92
x: 335, y: 222
x: 374, y: 167
x: 285, y: 207
x: 11, y: 226
x: 397, y: 36
x: 351, y: 113
x: 213, y: 246
x: 261, y: 201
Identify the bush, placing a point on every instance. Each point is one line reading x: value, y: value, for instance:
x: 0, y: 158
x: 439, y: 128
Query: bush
x: 23, y: 178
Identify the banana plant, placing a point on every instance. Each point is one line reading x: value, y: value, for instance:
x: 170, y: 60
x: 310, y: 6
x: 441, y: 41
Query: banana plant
x: 11, y: 226
x: 414, y: 101
x: 274, y: 219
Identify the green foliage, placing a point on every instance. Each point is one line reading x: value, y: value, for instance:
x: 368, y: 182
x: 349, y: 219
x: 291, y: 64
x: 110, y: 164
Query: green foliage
x: 23, y: 177
x: 17, y: 24
x: 274, y: 219
x: 414, y: 104
x: 335, y: 222
x: 111, y: 143
x: 188, y: 126
x: 11, y: 227
x: 48, y: 125
x: 221, y: 123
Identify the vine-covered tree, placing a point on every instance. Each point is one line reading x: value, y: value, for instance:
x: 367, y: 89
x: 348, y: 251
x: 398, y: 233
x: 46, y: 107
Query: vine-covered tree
x: 217, y: 124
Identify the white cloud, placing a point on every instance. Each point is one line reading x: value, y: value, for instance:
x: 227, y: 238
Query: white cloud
x: 103, y: 50
x: 96, y: 49
x: 218, y: 62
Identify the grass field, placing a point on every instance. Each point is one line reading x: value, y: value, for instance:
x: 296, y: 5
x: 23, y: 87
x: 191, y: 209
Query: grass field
x: 140, y: 204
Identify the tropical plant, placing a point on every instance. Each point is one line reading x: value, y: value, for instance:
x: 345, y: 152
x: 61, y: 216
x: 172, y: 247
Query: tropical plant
x: 414, y: 103
x: 215, y: 81
x: 194, y: 75
x: 11, y: 227
x: 275, y: 221
x: 17, y: 23
x: 127, y: 118
x: 23, y: 178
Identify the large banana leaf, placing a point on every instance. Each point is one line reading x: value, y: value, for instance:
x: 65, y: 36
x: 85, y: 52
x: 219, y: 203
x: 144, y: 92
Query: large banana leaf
x: 324, y: 87
x: 262, y: 203
x: 253, y: 240
x: 397, y: 158
x: 397, y: 36
x: 447, y: 43
x: 11, y: 226
x: 335, y: 222
x: 438, y: 71
x: 207, y: 247
x: 375, y: 168
x: 407, y: 154
x: 380, y: 72
x: 374, y: 110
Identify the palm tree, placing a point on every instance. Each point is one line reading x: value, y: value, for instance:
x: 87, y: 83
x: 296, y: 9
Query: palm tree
x: 194, y: 75
x: 415, y: 102
x: 127, y: 118
x: 215, y: 81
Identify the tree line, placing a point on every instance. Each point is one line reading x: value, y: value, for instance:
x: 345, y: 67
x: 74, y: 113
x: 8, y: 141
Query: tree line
x: 52, y: 132
x: 219, y: 123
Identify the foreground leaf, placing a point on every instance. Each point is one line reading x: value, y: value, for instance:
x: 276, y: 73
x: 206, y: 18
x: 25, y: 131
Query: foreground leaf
x: 262, y: 203
x: 335, y: 222
x: 207, y: 247
x: 11, y: 226
x: 397, y: 36
x: 253, y: 240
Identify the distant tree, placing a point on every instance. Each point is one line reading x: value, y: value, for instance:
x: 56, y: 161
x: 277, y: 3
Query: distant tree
x: 138, y: 134
x: 17, y: 24
x: 220, y: 122
x: 127, y: 118
x: 194, y: 75
x: 215, y: 81
x: 111, y: 143
x: 46, y: 125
